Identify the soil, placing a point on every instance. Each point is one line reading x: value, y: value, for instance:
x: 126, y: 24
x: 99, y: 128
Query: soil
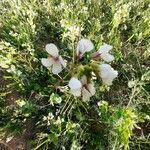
x: 18, y: 142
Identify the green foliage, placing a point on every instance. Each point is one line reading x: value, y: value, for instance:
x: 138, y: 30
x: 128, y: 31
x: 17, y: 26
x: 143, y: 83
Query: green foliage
x: 60, y: 121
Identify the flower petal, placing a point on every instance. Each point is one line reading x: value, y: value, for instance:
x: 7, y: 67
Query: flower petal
x: 83, y: 80
x: 52, y: 49
x: 84, y: 45
x: 76, y: 92
x: 63, y: 62
x: 105, y: 48
x: 91, y: 89
x: 107, y: 73
x: 107, y: 57
x: 74, y: 83
x: 56, y: 67
x: 46, y: 62
x: 85, y: 94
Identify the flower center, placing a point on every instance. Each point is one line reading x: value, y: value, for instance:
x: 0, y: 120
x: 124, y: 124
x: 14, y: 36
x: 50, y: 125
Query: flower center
x: 56, y: 58
x: 95, y: 55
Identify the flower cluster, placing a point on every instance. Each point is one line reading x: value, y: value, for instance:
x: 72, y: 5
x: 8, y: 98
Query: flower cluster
x: 81, y: 84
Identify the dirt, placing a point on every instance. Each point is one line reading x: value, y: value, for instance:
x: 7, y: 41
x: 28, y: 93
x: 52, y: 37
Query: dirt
x: 18, y: 142
x: 144, y: 129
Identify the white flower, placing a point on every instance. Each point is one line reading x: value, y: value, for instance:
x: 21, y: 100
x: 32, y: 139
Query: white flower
x: 104, y: 53
x: 75, y: 87
x: 54, y: 61
x: 107, y: 73
x: 84, y: 45
x: 88, y: 89
x: 82, y: 88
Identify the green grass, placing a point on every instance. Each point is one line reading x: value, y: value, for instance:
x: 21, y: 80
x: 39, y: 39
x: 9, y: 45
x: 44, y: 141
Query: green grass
x: 121, y: 121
